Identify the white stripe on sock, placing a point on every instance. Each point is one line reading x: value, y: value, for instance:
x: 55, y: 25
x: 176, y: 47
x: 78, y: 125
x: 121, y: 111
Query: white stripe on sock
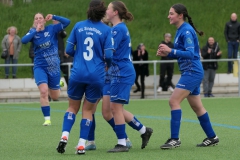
x: 47, y: 118
x: 65, y: 133
x: 81, y: 142
x: 142, y: 130
x: 122, y: 141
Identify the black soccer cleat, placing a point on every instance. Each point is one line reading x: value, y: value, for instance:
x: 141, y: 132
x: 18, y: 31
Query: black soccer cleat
x: 62, y: 145
x: 146, y: 136
x: 209, y: 142
x: 119, y: 148
x: 171, y: 143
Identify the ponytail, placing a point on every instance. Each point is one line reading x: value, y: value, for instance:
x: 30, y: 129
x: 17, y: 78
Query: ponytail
x: 191, y: 23
x: 128, y: 16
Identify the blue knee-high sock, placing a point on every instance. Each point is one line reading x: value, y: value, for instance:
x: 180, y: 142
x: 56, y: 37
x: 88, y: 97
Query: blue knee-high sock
x: 206, y: 125
x: 112, y: 124
x: 68, y: 121
x: 120, y: 131
x: 46, y: 111
x: 91, y: 135
x: 85, y: 126
x: 135, y: 124
x: 175, y: 123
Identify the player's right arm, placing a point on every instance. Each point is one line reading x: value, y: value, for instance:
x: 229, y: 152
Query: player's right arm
x: 28, y: 37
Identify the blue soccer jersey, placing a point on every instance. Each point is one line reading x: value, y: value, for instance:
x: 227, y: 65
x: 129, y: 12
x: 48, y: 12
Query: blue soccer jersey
x: 186, y: 50
x: 45, y: 45
x: 122, y: 70
x: 91, y: 40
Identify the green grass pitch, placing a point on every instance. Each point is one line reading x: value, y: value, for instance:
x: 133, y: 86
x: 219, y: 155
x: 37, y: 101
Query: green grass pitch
x: 23, y: 137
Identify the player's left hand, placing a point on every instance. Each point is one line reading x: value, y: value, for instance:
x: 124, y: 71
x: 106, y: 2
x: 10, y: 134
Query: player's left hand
x: 163, y: 50
x: 48, y: 17
x: 66, y: 55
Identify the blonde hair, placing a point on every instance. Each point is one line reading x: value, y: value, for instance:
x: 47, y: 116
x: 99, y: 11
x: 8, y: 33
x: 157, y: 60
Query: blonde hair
x: 9, y: 28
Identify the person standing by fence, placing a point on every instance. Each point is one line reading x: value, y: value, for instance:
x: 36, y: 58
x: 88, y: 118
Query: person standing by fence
x: 12, y: 43
x: 141, y: 69
x: 64, y: 58
x: 210, y: 51
x: 232, y: 36
x: 166, y: 67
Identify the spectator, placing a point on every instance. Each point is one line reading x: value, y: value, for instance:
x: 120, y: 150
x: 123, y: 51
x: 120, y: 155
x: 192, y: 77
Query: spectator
x: 166, y: 67
x: 210, y: 51
x: 64, y: 58
x: 31, y: 55
x: 232, y: 36
x: 140, y: 54
x: 12, y: 43
x: 64, y: 68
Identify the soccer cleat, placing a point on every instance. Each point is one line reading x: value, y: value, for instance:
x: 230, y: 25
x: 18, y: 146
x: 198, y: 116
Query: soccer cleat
x: 118, y: 148
x: 80, y: 150
x: 209, y: 142
x: 171, y: 143
x: 47, y: 123
x: 62, y: 145
x: 61, y: 83
x: 136, y: 90
x: 128, y: 143
x: 159, y: 90
x: 146, y: 136
x: 206, y: 95
x: 211, y: 95
x: 90, y: 146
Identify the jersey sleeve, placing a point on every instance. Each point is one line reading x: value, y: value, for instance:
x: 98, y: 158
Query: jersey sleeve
x: 71, y: 41
x: 188, y: 52
x: 117, y: 37
x: 108, y: 47
x: 29, y: 36
x: 109, y: 42
x: 64, y: 22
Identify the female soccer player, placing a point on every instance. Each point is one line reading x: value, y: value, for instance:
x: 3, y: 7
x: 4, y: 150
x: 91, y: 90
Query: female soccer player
x: 122, y: 75
x: 186, y: 51
x: 93, y: 42
x: 46, y: 60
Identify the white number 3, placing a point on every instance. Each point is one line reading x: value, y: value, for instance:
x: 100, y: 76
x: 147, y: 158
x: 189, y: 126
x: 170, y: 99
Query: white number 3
x: 89, y: 42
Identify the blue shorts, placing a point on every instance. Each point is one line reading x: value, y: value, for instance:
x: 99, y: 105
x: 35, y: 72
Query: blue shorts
x: 106, y: 89
x: 42, y: 76
x: 76, y: 90
x: 190, y: 82
x: 120, y: 93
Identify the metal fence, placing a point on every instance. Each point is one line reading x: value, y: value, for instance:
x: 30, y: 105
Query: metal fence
x: 154, y: 62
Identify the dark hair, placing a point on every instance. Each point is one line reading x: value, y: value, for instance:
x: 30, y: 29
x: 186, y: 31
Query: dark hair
x: 139, y: 46
x: 96, y: 10
x: 181, y: 9
x: 122, y: 10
